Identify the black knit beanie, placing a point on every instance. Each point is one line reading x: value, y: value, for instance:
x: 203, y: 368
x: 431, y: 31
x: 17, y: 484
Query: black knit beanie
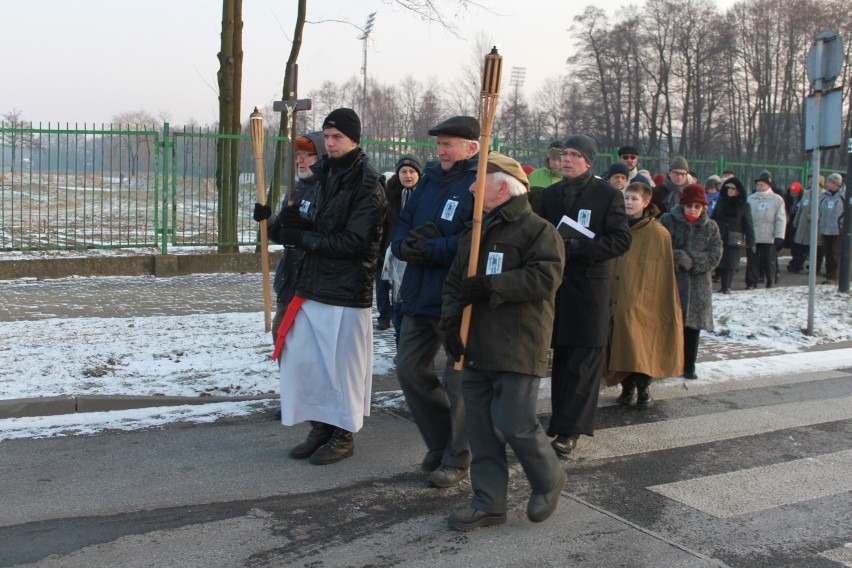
x: 346, y: 121
x: 584, y: 145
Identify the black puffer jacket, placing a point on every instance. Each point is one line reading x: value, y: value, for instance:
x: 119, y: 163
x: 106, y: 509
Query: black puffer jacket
x: 343, y: 242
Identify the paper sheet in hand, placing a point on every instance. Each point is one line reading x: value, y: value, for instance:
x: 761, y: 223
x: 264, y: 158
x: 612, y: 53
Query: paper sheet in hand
x: 571, y: 229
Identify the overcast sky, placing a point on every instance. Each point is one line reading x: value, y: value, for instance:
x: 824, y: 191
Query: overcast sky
x: 89, y: 60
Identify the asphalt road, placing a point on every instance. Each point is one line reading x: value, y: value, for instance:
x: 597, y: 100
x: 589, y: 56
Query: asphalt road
x: 752, y: 473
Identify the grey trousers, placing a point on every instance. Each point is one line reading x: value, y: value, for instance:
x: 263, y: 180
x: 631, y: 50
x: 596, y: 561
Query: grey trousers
x: 501, y: 409
x: 437, y: 405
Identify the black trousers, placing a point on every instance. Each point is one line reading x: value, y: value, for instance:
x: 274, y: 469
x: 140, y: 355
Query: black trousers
x: 690, y: 349
x: 575, y: 387
x: 761, y: 264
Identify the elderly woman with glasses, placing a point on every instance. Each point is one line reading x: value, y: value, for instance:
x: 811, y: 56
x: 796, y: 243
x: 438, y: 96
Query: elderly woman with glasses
x: 733, y: 216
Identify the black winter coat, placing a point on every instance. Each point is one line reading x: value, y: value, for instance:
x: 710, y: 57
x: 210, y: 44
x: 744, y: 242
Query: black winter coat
x: 582, y: 303
x: 342, y: 245
x: 287, y: 271
x: 733, y: 214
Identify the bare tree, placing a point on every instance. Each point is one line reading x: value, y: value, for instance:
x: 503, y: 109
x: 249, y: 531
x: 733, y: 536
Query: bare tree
x: 18, y: 141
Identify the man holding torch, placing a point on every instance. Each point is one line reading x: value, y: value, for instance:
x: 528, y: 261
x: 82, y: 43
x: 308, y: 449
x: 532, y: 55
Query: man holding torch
x: 325, y: 341
x: 519, y: 269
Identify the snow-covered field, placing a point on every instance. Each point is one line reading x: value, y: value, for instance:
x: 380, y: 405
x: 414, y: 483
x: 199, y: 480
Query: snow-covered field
x: 228, y: 354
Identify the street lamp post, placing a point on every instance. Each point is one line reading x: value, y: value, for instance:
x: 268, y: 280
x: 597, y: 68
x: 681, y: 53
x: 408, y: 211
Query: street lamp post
x: 516, y: 80
x: 365, y: 37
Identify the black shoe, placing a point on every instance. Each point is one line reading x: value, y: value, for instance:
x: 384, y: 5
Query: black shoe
x: 339, y: 447
x: 382, y: 325
x: 470, y: 519
x: 431, y: 460
x: 690, y: 375
x: 644, y: 398
x: 320, y: 434
x: 564, y: 444
x: 627, y: 392
x: 540, y: 507
x: 447, y: 476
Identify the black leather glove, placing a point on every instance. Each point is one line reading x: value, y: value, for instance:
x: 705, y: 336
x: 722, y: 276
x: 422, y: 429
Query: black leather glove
x: 779, y: 244
x: 475, y: 289
x: 452, y: 339
x: 290, y: 236
x: 291, y: 219
x: 427, y: 230
x: 572, y: 247
x: 262, y: 212
x: 413, y: 249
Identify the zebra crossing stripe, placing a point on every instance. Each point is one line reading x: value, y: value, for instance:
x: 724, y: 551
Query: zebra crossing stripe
x: 683, y: 432
x: 727, y: 495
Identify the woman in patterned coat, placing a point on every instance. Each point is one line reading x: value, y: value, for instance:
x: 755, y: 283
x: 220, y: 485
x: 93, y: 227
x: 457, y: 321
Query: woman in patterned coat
x: 697, y: 250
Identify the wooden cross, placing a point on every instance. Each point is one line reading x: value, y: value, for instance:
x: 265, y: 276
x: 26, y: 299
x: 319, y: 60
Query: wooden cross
x: 291, y: 106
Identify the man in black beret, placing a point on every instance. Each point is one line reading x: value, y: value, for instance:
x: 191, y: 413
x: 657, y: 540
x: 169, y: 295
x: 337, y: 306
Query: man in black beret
x: 581, y: 323
x: 426, y: 237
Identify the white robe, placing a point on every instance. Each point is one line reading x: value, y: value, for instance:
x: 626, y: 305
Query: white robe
x: 327, y: 366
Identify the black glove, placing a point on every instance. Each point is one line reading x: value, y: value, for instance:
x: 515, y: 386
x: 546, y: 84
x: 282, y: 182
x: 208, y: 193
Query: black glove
x: 291, y: 219
x: 412, y: 249
x: 290, y: 236
x: 452, y: 339
x: 428, y: 230
x: 779, y: 244
x: 475, y: 289
x: 572, y: 247
x: 262, y: 211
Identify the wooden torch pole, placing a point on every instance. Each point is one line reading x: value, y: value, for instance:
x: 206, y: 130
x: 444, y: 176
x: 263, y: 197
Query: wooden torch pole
x: 257, y: 139
x: 488, y: 106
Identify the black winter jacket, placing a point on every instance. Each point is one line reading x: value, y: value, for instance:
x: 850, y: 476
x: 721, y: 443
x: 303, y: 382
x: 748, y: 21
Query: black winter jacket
x: 342, y: 245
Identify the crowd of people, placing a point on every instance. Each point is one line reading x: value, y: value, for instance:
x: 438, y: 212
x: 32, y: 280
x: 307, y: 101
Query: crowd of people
x: 610, y: 276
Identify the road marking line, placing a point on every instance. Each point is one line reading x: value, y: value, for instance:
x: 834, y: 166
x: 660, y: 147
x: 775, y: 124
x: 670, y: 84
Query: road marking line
x: 727, y: 495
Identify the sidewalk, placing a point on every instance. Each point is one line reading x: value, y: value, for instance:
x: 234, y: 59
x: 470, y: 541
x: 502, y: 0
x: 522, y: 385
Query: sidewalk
x: 146, y: 296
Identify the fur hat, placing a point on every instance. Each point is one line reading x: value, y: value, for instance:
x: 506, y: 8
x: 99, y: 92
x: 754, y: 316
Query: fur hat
x: 693, y: 193
x: 628, y: 150
x: 679, y: 163
x: 583, y: 144
x: 465, y: 127
x: 713, y: 181
x: 411, y: 161
x: 346, y: 121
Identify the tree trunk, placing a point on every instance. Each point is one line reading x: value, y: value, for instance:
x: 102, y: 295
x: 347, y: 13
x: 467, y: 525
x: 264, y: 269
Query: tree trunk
x: 230, y: 86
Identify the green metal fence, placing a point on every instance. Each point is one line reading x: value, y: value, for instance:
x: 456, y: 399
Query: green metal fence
x: 86, y: 187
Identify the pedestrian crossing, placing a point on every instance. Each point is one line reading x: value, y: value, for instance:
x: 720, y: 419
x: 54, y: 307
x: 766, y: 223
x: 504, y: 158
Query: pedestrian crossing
x: 752, y: 472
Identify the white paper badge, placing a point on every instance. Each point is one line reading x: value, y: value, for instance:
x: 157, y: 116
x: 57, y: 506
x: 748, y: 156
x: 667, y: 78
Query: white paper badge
x: 584, y: 217
x: 306, y: 205
x: 762, y: 207
x: 449, y: 210
x: 495, y: 263
x: 831, y: 204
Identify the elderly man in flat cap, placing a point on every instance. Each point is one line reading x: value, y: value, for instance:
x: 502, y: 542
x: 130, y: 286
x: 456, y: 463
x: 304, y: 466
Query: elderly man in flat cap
x: 426, y: 237
x: 512, y: 294
x: 582, y: 304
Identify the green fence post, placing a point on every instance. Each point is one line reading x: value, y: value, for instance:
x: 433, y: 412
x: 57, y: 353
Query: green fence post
x: 164, y: 225
x: 720, y: 165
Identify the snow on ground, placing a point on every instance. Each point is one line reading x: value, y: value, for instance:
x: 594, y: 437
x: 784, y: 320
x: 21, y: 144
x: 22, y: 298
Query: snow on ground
x: 228, y: 354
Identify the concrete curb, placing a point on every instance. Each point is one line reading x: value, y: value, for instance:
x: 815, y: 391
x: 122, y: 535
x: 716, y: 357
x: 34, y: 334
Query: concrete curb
x: 54, y: 405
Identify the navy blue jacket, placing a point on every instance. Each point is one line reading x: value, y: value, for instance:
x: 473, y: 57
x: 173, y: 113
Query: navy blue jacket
x: 442, y: 198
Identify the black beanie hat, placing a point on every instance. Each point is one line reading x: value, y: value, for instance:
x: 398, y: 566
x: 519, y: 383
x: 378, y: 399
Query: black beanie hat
x: 584, y: 145
x: 628, y: 150
x: 346, y: 121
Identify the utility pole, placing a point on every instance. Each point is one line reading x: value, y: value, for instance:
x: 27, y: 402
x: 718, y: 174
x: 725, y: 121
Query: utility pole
x: 365, y: 37
x: 516, y: 80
